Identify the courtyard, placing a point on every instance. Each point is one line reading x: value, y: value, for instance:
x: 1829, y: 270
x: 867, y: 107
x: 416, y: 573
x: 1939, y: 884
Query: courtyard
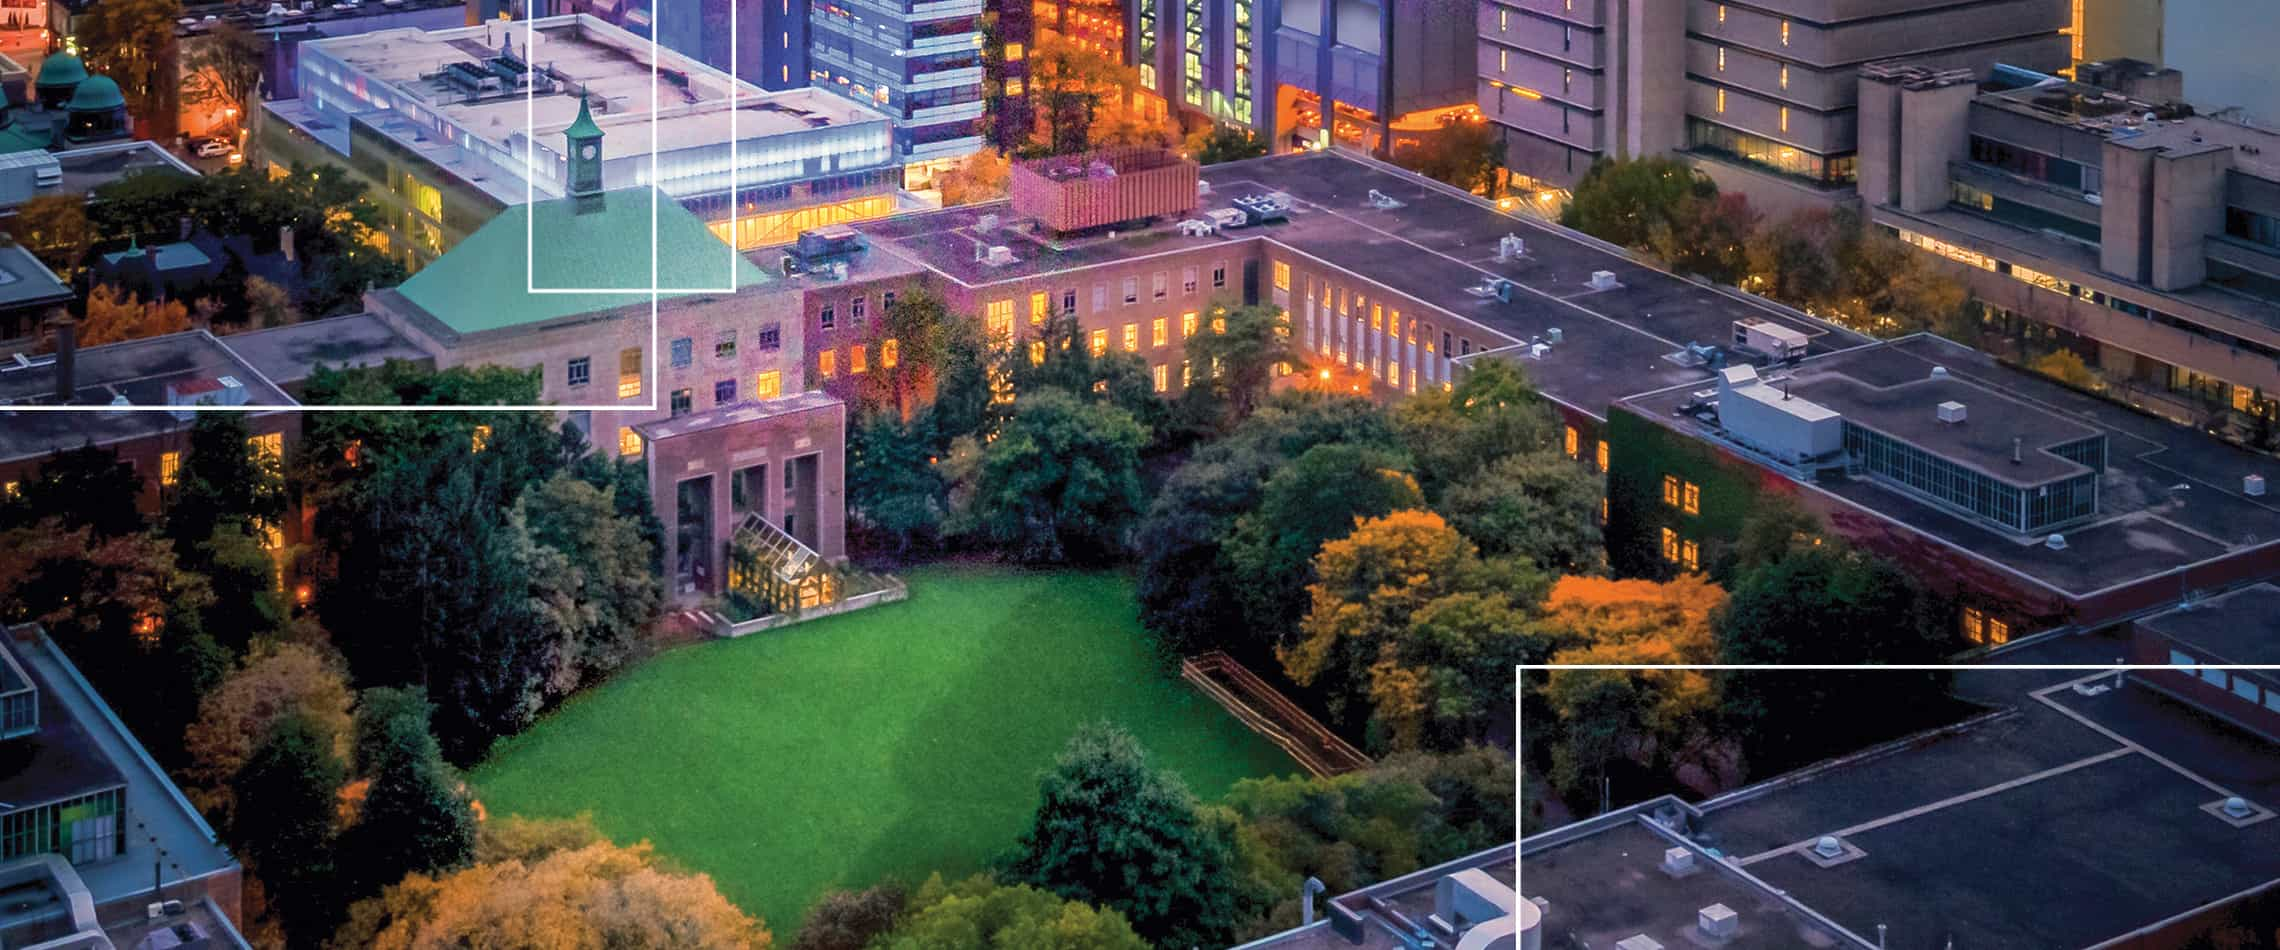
x: 883, y: 744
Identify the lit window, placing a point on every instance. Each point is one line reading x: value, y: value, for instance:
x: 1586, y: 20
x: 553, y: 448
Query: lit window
x: 1163, y: 374
x: 1721, y: 101
x: 1785, y: 75
x: 1670, y: 490
x: 629, y: 442
x: 1602, y: 509
x: 1693, y: 505
x: 1974, y: 625
x: 1721, y: 59
x: 169, y: 469
x: 1187, y: 324
x: 1785, y: 32
x: 1013, y: 52
x: 479, y: 439
x: 1037, y: 353
x: 827, y: 363
x: 1785, y: 118
x: 1187, y: 372
x: 1014, y: 87
x: 1282, y: 275
x: 12, y: 490
x: 1040, y: 306
x: 769, y: 385
x: 1569, y: 442
x: 1219, y: 322
x: 1099, y: 342
x: 998, y: 321
x: 629, y: 372
x: 1601, y: 455
x: 857, y: 360
x: 1131, y: 337
x: 1690, y: 554
x: 270, y: 449
x: 890, y: 353
x: 1159, y: 331
x: 1670, y: 545
x: 1721, y: 13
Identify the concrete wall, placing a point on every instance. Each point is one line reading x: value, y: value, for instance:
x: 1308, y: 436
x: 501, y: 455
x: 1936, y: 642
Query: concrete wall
x: 774, y: 441
x: 2188, y: 205
x: 1934, y: 129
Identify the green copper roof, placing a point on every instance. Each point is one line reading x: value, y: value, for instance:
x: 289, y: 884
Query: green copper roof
x: 96, y: 94
x: 583, y: 127
x: 481, y: 284
x: 16, y: 138
x: 61, y: 69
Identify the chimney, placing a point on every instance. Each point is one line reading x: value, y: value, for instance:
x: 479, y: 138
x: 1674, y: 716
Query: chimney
x: 285, y: 242
x: 183, y: 233
x: 66, y: 356
x: 2018, y: 449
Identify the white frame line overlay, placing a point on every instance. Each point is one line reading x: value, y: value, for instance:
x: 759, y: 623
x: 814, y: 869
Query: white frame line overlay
x: 1739, y: 864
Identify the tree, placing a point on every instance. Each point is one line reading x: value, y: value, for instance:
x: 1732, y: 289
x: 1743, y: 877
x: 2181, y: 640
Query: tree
x: 852, y: 920
x: 1492, y: 413
x: 893, y: 488
x: 226, y: 478
x: 1369, y: 589
x: 1318, y: 497
x: 87, y: 487
x: 981, y: 914
x: 979, y: 177
x: 1446, y: 681
x: 56, y: 230
x: 1706, y: 235
x: 268, y: 305
x: 2066, y: 367
x: 591, y: 575
x: 1061, y: 483
x: 1621, y: 201
x: 1537, y: 505
x: 290, y: 784
x: 1241, y: 354
x: 413, y: 817
x: 113, y: 318
x: 595, y: 895
x: 1214, y: 144
x: 132, y: 42
x: 911, y: 339
x: 1067, y: 84
x: 275, y: 681
x: 1465, y: 152
x: 224, y: 69
x: 1793, y: 261
x: 1650, y: 717
x: 1825, y: 604
x: 243, y: 573
x: 1111, y: 832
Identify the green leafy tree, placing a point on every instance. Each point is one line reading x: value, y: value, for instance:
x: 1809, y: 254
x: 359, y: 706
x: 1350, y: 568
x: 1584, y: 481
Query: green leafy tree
x: 1239, y: 355
x: 1464, y: 152
x: 55, y: 228
x: 1825, y: 604
x: 2067, y: 367
x: 248, y: 602
x: 980, y: 914
x: 413, y: 817
x: 591, y: 577
x: 1623, y: 201
x: 1318, y: 497
x: 1706, y: 235
x: 226, y: 479
x: 894, y: 491
x: 132, y: 42
x: 853, y: 920
x: 290, y: 789
x: 1537, y: 505
x: 87, y: 487
x: 1793, y: 261
x: 1061, y: 482
x: 1225, y: 143
x: 1492, y: 413
x: 1110, y: 831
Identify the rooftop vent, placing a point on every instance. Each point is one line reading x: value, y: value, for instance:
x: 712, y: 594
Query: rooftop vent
x: 1718, y: 920
x: 1603, y: 280
x: 1510, y: 246
x: 1553, y: 335
x: 986, y: 223
x: 2252, y: 485
x: 2056, y: 542
x: 1638, y: 942
x: 2237, y: 807
x: 1951, y: 412
x: 1537, y: 351
x: 1939, y: 372
x: 1677, y: 861
x: 999, y: 256
x: 1382, y: 201
x: 1829, y: 846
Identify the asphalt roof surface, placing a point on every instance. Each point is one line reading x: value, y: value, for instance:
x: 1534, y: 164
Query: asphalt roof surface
x: 138, y: 371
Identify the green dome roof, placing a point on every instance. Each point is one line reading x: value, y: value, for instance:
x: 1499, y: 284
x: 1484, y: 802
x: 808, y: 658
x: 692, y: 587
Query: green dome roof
x: 96, y: 94
x: 62, y: 69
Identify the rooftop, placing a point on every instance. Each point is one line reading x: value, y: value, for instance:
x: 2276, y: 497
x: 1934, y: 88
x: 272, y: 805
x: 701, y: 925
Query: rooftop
x: 136, y: 371
x: 288, y: 354
x: 2242, y: 626
x: 2135, y: 123
x: 738, y: 414
x: 1433, y: 245
x: 25, y: 282
x: 1994, y: 423
x: 2170, y: 496
x: 588, y: 259
x: 59, y: 761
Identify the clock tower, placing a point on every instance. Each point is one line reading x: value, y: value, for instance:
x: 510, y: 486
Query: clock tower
x: 585, y: 152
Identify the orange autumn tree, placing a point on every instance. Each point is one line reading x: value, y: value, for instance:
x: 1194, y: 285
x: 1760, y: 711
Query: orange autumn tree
x: 1408, y: 623
x: 1651, y: 718
x: 114, y: 316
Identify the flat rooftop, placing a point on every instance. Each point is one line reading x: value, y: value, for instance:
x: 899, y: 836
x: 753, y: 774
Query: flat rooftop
x: 669, y: 98
x: 25, y: 282
x: 2122, y: 118
x: 2170, y: 496
x: 136, y: 371
x: 288, y: 354
x: 1433, y: 246
x: 1994, y: 422
x: 61, y: 760
x: 2242, y: 626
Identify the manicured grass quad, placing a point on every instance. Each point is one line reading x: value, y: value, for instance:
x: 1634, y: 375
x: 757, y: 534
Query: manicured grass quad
x: 894, y: 741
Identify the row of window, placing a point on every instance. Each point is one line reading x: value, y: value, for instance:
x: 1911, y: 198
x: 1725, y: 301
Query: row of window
x: 1371, y: 337
x: 83, y: 830
x: 2241, y: 687
x: 579, y: 372
x: 1676, y: 492
x: 1683, y: 552
x: 683, y: 350
x: 769, y: 384
x: 1572, y: 444
x: 1978, y: 627
x: 858, y: 310
x: 858, y: 360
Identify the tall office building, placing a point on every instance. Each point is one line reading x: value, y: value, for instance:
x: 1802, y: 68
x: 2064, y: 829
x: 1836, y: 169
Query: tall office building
x: 919, y: 61
x: 1374, y: 67
x: 1760, y: 95
x: 766, y: 45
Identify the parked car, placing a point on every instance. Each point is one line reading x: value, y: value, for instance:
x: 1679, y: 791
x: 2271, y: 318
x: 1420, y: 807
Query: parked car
x: 213, y: 148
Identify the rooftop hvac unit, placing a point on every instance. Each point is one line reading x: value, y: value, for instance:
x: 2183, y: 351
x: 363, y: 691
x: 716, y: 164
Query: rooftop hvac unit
x: 1677, y: 860
x: 1225, y: 217
x: 2252, y: 485
x: 1603, y: 280
x: 986, y: 223
x: 1382, y: 201
x: 1951, y: 412
x: 1638, y: 942
x: 999, y: 256
x: 1553, y: 334
x: 1718, y: 920
x: 2056, y: 542
x: 1537, y: 351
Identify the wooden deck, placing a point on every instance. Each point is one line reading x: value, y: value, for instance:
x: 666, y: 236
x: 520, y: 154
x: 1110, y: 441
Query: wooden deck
x: 1268, y: 713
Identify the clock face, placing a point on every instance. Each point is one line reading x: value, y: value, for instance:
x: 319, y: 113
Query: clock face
x: 589, y: 150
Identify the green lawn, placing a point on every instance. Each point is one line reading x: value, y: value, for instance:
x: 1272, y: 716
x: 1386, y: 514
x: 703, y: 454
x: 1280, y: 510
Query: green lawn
x: 894, y: 741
